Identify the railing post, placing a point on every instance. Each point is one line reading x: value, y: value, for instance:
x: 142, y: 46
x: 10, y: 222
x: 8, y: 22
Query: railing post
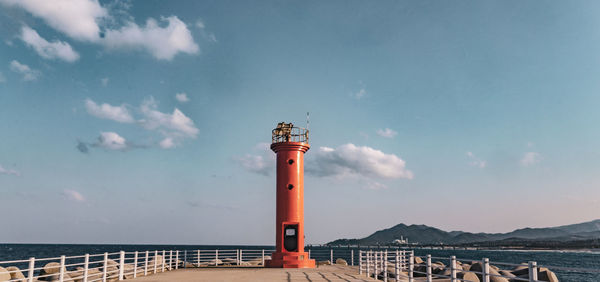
x: 263, y: 257
x: 155, y: 261
x: 135, y: 264
x: 485, y: 273
x: 164, y: 258
x: 453, y: 269
x: 360, y: 265
x: 241, y: 256
x: 216, y: 257
x: 146, y: 264
x: 429, y: 274
x: 382, y: 259
x: 105, y: 267
x: 331, y: 256
x: 30, y: 270
x: 352, y: 257
x: 397, y: 265
x: 376, y: 266
x: 533, y: 271
x: 61, y: 271
x: 411, y: 266
x: 86, y: 266
x: 177, y: 259
x: 385, y: 272
x: 121, y: 264
x: 368, y: 257
x: 184, y: 258
x: 167, y: 264
x: 237, y: 256
x: 378, y: 262
x: 170, y: 260
x: 374, y: 261
x: 309, y: 253
x: 198, y: 254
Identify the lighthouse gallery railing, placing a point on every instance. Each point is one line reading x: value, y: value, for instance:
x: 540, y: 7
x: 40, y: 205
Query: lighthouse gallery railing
x: 293, y: 134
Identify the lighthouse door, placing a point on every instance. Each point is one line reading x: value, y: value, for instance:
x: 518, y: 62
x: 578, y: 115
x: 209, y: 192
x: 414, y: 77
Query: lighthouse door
x: 290, y: 237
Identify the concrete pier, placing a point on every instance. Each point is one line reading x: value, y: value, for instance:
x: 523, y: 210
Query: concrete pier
x: 322, y: 273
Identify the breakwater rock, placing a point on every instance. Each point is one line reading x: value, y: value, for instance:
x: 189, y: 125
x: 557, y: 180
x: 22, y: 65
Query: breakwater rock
x: 471, y: 271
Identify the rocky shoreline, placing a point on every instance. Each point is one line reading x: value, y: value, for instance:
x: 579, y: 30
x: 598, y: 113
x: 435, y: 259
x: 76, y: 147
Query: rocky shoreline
x: 470, y: 271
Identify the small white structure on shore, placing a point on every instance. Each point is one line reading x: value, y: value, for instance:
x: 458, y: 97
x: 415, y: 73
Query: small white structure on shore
x: 402, y: 240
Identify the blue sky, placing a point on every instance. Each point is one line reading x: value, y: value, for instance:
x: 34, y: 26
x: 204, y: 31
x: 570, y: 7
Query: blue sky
x: 148, y: 121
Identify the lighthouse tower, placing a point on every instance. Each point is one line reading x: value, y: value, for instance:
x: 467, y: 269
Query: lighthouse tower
x: 290, y: 143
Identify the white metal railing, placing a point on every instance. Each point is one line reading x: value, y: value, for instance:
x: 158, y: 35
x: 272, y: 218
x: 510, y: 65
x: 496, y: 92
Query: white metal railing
x: 127, y: 265
x: 381, y: 264
x: 407, y: 266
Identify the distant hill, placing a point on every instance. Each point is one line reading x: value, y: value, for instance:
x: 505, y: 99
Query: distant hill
x: 424, y: 234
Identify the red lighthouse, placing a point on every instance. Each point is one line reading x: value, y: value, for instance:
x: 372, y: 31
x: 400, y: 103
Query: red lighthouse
x: 290, y: 143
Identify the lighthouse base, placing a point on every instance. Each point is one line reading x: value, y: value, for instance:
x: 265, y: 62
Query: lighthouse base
x: 290, y: 260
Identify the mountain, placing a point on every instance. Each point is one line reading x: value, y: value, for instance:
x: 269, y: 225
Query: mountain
x: 424, y: 234
x: 591, y: 226
x: 589, y: 230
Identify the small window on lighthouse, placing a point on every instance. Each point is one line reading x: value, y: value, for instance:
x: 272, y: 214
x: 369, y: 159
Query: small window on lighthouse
x: 290, y: 161
x: 290, y: 232
x: 290, y: 186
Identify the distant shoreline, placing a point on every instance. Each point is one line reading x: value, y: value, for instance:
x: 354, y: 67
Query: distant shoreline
x: 585, y: 250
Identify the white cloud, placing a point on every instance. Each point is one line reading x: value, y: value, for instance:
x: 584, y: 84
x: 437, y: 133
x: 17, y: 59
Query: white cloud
x: 387, y: 133
x: 167, y: 143
x: 475, y: 161
x: 28, y: 73
x: 80, y: 20
x: 106, y: 111
x: 182, y: 97
x: 376, y: 186
x: 104, y: 81
x: 48, y: 50
x: 361, y: 161
x: 257, y: 164
x: 162, y: 42
x: 361, y: 93
x: 9, y: 171
x: 75, y: 18
x: 73, y: 195
x: 262, y: 161
x: 531, y: 158
x: 346, y: 160
x: 206, y: 35
x: 111, y: 141
x: 211, y: 37
x: 175, y: 125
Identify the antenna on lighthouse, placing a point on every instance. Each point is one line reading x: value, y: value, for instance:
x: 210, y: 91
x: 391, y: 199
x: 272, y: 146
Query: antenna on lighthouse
x: 307, y: 120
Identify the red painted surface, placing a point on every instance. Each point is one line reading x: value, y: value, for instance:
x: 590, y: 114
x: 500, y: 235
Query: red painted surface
x: 290, y: 205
